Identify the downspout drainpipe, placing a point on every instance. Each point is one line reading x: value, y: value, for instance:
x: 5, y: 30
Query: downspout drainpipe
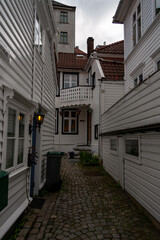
x: 99, y: 130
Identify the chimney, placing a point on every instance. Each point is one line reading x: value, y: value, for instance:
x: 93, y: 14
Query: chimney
x: 90, y: 46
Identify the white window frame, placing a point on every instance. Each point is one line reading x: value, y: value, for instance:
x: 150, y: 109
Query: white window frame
x: 70, y: 118
x: 136, y: 17
x: 15, y: 160
x: 63, y: 37
x: 70, y: 79
x: 63, y: 17
x: 157, y: 11
x: 113, y: 151
x: 38, y: 34
x: 135, y: 159
x: 138, y: 80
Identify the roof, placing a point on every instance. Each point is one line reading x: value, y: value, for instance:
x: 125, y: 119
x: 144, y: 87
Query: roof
x: 79, y: 52
x: 71, y: 61
x: 113, y: 70
x: 113, y: 48
x: 58, y: 4
x: 122, y: 10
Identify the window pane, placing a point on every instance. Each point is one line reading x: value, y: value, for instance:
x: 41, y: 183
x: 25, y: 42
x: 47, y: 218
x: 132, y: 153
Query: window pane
x: 158, y: 65
x: 10, y: 153
x: 66, y: 114
x: 134, y: 35
x: 73, y: 114
x: 132, y: 147
x: 21, y: 125
x: 157, y: 6
x: 73, y: 125
x: 139, y: 28
x: 11, y: 122
x: 113, y: 144
x: 66, y: 125
x: 20, y: 151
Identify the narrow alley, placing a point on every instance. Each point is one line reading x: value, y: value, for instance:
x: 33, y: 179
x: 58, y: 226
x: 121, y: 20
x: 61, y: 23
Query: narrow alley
x: 89, y: 206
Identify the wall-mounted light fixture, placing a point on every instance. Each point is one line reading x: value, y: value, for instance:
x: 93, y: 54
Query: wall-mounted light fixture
x: 38, y: 118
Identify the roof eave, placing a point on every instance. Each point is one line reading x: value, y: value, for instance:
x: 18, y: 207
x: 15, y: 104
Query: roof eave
x: 121, y: 11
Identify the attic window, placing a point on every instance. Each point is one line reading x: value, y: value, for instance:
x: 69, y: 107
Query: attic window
x: 157, y: 6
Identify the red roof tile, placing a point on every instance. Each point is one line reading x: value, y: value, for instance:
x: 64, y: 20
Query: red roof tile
x: 71, y: 61
x: 79, y: 52
x: 113, y: 70
x: 114, y: 48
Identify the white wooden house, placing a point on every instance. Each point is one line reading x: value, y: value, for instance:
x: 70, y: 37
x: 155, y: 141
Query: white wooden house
x: 27, y: 86
x: 89, y: 84
x: 130, y: 138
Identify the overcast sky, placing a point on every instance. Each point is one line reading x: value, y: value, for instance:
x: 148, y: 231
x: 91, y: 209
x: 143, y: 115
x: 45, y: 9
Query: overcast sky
x: 94, y: 19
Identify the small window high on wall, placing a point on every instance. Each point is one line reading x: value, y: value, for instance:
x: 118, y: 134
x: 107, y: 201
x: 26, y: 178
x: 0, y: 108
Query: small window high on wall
x: 38, y: 34
x: 157, y: 6
x: 64, y: 17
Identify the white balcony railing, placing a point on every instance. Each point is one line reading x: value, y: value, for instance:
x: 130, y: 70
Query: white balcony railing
x: 77, y: 95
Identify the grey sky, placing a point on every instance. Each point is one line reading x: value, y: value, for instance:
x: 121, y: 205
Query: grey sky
x: 94, y: 19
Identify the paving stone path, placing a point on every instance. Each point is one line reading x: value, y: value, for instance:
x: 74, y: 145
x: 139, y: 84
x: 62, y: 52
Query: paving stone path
x: 89, y: 206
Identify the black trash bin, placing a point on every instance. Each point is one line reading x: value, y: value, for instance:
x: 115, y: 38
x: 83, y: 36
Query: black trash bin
x: 53, y: 180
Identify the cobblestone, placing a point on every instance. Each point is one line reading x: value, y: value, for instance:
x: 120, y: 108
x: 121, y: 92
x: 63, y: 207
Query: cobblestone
x: 88, y: 208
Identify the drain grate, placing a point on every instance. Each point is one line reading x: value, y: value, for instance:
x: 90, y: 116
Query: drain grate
x: 37, y: 203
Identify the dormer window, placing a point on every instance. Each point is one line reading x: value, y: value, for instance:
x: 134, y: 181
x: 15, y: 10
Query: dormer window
x: 157, y: 6
x: 137, y: 25
x: 64, y: 17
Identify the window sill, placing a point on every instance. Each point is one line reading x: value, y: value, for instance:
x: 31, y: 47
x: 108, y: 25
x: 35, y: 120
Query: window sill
x: 17, y: 171
x: 113, y: 152
x: 69, y: 133
x: 63, y: 43
x: 133, y: 159
x: 64, y: 22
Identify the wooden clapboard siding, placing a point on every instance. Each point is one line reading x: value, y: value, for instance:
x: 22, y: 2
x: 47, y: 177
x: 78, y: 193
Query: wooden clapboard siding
x: 142, y: 181
x: 38, y: 76
x: 139, y: 108
x: 145, y: 48
x: 48, y: 100
x: 1, y: 124
x: 17, y: 38
x: 16, y: 194
x: 110, y: 160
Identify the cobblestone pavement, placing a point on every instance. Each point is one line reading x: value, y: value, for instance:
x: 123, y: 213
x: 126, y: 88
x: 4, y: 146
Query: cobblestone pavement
x: 89, y: 206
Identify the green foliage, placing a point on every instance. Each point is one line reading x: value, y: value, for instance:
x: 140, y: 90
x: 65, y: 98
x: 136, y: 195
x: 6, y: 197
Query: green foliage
x: 86, y: 158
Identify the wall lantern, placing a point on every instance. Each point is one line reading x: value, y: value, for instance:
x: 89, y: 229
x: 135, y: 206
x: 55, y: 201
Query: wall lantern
x: 38, y: 118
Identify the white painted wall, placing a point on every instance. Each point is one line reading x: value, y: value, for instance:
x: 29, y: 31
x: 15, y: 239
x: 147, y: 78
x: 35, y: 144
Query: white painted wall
x: 142, y: 57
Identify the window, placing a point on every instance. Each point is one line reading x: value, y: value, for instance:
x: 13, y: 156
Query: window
x: 138, y: 80
x: 38, y: 35
x: 158, y: 65
x: 56, y: 120
x: 15, y: 138
x: 70, y: 122
x: 113, y: 144
x: 64, y: 17
x: 70, y: 80
x: 157, y: 6
x: 137, y: 25
x: 96, y: 131
x: 132, y: 147
x: 64, y: 37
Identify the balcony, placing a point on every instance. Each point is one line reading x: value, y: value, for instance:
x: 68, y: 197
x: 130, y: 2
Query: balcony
x: 76, y: 96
